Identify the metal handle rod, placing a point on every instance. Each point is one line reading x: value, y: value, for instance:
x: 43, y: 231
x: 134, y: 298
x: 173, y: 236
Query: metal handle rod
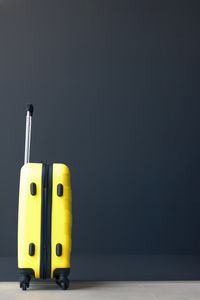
x: 27, y: 138
x: 28, y: 134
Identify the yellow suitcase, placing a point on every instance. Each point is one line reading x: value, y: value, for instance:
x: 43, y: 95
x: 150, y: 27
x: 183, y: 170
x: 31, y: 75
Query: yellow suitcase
x: 44, y: 219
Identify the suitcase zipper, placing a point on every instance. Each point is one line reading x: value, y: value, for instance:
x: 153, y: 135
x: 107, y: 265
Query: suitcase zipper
x: 43, y: 223
x: 45, y: 250
x: 49, y: 210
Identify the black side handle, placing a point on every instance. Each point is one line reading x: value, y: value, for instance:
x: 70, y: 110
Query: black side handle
x: 58, y: 249
x: 33, y: 188
x: 31, y: 249
x: 59, y: 190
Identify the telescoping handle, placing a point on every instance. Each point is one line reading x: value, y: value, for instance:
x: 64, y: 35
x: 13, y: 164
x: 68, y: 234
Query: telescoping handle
x: 29, y: 109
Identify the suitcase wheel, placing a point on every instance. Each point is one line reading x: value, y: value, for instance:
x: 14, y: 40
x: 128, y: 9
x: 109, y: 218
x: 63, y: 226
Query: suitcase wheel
x: 24, y: 281
x: 63, y: 283
x: 24, y: 285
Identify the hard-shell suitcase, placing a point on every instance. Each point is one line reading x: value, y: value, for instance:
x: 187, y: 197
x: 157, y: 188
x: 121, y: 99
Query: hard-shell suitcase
x: 44, y: 219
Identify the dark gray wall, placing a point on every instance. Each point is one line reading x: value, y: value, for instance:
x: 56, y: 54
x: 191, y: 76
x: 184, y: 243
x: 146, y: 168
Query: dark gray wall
x: 116, y: 91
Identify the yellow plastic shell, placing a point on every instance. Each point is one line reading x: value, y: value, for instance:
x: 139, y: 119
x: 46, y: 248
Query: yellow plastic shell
x: 29, y: 217
x: 61, y: 220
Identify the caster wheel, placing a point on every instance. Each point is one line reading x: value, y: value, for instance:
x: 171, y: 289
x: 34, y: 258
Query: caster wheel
x: 24, y: 280
x: 64, y: 284
x: 24, y: 286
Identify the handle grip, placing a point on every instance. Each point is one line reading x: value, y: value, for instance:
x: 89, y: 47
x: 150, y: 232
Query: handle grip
x: 29, y: 107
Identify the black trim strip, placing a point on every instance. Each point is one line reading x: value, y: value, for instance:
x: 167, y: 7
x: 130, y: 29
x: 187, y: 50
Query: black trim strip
x: 61, y: 271
x: 45, y: 249
x: 43, y: 223
x: 49, y: 207
x: 26, y: 272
